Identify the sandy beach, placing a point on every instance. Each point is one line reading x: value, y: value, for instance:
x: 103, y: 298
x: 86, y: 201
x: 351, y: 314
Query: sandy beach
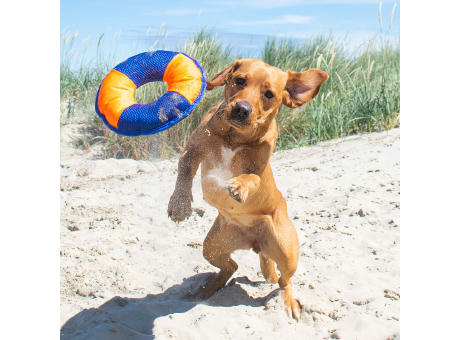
x: 127, y: 269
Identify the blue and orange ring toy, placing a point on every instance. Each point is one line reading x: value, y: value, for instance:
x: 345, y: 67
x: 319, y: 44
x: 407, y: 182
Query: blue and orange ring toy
x: 117, y: 107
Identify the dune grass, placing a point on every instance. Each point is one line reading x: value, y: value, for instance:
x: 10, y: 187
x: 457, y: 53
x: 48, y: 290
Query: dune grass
x: 361, y: 95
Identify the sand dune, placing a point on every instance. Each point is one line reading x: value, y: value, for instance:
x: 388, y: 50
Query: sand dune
x: 126, y: 269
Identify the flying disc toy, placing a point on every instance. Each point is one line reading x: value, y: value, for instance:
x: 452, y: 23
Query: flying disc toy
x: 118, y: 109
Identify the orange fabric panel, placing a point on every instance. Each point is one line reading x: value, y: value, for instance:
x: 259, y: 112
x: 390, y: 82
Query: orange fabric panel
x: 183, y: 77
x: 115, y: 95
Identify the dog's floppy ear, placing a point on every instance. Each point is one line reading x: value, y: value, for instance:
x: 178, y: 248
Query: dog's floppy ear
x: 221, y: 77
x: 302, y: 87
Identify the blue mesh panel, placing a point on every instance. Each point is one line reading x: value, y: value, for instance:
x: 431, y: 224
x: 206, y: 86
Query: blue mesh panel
x: 146, y: 67
x: 144, y: 119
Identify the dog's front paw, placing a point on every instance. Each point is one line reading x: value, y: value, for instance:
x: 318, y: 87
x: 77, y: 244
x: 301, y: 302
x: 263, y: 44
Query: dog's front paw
x: 237, y: 189
x: 180, y: 206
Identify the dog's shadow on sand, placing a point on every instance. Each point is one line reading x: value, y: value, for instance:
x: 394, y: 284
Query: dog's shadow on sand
x: 133, y: 318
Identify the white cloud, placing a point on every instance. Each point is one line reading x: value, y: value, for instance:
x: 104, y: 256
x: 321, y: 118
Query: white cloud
x: 182, y: 12
x: 266, y: 4
x: 285, y: 19
x: 261, y: 3
x: 350, y: 2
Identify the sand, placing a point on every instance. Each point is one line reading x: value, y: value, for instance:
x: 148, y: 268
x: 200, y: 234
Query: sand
x: 127, y: 270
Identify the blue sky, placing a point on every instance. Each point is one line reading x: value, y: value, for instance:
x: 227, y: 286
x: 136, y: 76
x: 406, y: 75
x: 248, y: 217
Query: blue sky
x: 131, y: 27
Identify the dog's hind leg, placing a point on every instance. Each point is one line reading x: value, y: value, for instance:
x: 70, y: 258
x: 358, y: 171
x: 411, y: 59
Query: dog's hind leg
x: 267, y: 266
x: 282, y: 245
x: 221, y: 241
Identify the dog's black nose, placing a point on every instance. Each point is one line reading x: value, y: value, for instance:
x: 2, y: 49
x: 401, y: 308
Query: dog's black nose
x: 241, y: 111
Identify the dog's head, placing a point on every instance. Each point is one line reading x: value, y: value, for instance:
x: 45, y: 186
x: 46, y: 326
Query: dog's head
x: 255, y: 91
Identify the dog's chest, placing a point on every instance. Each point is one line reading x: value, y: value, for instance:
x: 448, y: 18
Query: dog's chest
x: 220, y: 166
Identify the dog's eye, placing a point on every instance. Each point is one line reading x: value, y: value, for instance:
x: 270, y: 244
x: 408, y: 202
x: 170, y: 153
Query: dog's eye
x: 240, y: 81
x: 268, y: 94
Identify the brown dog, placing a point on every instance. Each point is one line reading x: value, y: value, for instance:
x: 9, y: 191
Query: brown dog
x: 233, y: 144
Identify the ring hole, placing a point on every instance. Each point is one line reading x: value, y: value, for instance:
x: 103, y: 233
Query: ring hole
x: 150, y: 92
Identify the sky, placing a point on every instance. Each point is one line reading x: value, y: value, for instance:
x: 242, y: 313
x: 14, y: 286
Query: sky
x: 131, y: 27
